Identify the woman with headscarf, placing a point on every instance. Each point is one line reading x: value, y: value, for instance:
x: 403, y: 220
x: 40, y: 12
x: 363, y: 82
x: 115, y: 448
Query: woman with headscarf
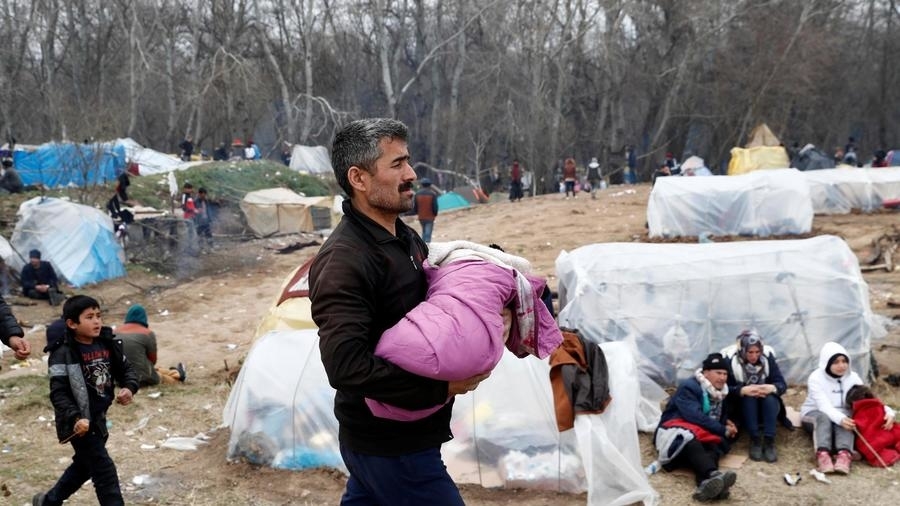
x: 755, y: 375
x: 139, y: 343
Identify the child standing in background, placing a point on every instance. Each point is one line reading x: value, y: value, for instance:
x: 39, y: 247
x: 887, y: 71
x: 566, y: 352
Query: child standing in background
x: 83, y: 367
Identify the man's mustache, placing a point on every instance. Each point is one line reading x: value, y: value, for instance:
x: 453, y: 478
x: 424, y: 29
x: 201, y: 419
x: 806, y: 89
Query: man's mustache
x: 406, y: 186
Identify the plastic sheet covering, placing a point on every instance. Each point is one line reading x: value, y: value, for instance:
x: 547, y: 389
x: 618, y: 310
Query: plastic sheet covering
x: 679, y: 302
x: 838, y: 191
x: 608, y: 442
x: 77, y: 240
x: 505, y: 435
x: 744, y: 160
x: 763, y: 203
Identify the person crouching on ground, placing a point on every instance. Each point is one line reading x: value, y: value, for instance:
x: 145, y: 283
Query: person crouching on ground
x: 879, y: 440
x: 694, y: 430
x: 824, y: 413
x: 756, y: 377
x: 84, y: 367
x: 140, y: 349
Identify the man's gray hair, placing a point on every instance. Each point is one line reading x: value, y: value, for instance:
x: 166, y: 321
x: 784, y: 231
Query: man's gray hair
x: 356, y: 143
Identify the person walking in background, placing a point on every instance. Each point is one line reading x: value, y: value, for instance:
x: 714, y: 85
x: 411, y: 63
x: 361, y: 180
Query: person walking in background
x: 515, y: 182
x: 570, y: 175
x: 139, y: 344
x: 425, y: 205
x: 84, y: 368
x: 203, y: 219
x: 39, y: 279
x: 187, y: 148
x: 594, y: 176
x: 630, y: 164
x: 364, y: 279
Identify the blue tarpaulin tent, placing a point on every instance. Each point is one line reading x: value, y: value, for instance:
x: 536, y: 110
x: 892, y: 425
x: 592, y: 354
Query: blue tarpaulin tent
x: 63, y: 164
x: 452, y: 200
x: 77, y: 240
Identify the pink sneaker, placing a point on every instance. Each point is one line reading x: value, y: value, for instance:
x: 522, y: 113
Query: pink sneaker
x: 825, y: 465
x: 842, y: 462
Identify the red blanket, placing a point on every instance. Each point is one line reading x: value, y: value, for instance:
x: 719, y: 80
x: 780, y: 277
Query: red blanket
x: 869, y: 417
x: 701, y: 434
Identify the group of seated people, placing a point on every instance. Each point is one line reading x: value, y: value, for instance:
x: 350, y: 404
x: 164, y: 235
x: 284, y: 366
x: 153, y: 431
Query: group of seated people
x: 741, y: 391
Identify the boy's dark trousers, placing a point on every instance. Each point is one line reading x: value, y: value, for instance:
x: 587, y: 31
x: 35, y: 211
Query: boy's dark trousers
x: 91, y: 462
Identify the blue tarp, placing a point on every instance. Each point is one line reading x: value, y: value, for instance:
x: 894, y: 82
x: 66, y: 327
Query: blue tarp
x: 451, y: 200
x: 63, y: 164
x: 77, y: 240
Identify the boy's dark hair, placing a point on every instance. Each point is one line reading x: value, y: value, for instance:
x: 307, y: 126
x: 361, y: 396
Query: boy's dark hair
x: 188, y: 185
x: 858, y: 393
x: 76, y: 305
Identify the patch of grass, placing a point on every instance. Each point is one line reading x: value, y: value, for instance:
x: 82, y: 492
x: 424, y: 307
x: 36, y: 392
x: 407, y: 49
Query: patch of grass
x: 25, y: 393
x: 226, y: 182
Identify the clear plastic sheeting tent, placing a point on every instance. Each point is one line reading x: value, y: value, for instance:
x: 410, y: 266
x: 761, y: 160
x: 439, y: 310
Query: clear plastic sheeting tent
x: 763, y: 203
x: 678, y: 302
x: 838, y: 191
x: 281, y: 414
x: 77, y: 240
x: 311, y: 160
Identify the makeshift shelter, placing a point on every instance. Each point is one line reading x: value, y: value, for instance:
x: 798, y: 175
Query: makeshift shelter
x: 276, y: 211
x: 678, y: 302
x: 762, y: 151
x: 838, y: 191
x: 291, y: 308
x: 695, y: 166
x: 812, y: 158
x: 79, y: 241
x: 452, y: 200
x: 773, y: 202
x: 281, y: 414
x: 58, y: 164
x: 6, y: 251
x: 150, y: 161
x: 313, y: 160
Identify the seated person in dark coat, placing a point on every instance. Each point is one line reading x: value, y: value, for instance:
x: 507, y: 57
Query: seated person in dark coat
x: 39, y: 280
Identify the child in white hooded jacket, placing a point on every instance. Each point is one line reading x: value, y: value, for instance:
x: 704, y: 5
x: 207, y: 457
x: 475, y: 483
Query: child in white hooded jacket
x: 824, y: 412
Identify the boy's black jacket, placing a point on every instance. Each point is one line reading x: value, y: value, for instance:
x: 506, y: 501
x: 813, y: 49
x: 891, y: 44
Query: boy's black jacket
x: 68, y: 391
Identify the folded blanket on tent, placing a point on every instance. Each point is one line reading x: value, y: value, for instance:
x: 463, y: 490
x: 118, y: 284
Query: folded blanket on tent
x: 458, y: 331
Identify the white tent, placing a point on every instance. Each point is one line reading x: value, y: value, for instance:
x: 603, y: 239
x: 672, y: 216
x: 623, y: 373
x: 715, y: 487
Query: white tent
x: 281, y: 211
x: 78, y: 240
x: 6, y: 251
x: 150, y: 161
x: 760, y: 203
x: 838, y: 191
x: 311, y: 159
x: 281, y: 414
x: 679, y: 302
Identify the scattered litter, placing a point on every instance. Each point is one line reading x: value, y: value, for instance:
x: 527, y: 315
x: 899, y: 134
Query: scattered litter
x: 148, y: 447
x: 165, y: 312
x: 141, y: 479
x: 64, y: 460
x: 143, y: 423
x: 231, y: 346
x: 184, y: 443
x: 6, y: 449
x: 42, y: 418
x: 762, y: 474
x: 792, y: 479
x: 819, y: 476
x: 154, y: 395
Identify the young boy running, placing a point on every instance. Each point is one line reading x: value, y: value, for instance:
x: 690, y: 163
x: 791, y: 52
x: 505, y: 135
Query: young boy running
x: 83, y: 366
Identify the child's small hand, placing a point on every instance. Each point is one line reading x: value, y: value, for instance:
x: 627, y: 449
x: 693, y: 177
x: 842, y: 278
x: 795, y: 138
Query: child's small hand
x: 82, y: 426
x: 124, y: 396
x: 848, y: 423
x: 888, y: 422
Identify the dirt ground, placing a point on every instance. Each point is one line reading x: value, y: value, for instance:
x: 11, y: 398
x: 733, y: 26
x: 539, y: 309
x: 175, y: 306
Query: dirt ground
x: 207, y: 321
